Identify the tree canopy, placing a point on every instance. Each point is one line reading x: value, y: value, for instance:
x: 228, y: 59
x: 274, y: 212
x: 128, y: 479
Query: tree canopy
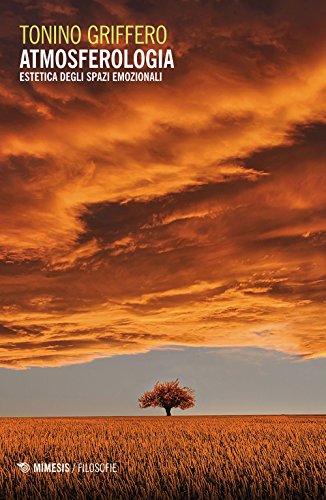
x: 168, y: 395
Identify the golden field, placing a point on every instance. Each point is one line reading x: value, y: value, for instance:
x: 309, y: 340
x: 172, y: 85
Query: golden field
x: 271, y: 457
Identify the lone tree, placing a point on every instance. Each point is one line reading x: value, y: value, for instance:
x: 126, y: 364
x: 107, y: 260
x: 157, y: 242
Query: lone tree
x: 168, y: 395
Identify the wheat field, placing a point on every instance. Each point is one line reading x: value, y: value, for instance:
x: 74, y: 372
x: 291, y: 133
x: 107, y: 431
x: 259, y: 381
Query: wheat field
x: 270, y: 457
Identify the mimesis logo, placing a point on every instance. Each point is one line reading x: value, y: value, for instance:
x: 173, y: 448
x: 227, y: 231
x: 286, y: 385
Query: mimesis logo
x: 85, y: 467
x: 24, y: 467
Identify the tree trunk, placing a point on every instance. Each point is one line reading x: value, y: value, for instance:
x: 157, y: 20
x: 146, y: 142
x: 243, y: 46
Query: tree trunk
x: 168, y: 412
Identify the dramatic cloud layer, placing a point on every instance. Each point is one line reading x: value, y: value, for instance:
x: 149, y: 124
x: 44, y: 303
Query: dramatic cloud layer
x: 191, y: 212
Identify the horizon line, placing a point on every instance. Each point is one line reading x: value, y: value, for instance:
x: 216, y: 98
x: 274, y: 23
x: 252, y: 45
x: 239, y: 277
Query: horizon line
x: 178, y: 415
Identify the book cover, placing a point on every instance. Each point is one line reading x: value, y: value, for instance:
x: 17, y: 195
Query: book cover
x: 162, y: 249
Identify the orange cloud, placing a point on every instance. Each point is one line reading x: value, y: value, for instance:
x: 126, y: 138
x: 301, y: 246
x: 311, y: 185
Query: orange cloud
x: 189, y: 213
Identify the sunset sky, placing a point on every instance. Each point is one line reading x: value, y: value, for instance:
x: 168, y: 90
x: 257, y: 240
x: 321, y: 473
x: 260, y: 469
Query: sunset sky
x: 136, y: 218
